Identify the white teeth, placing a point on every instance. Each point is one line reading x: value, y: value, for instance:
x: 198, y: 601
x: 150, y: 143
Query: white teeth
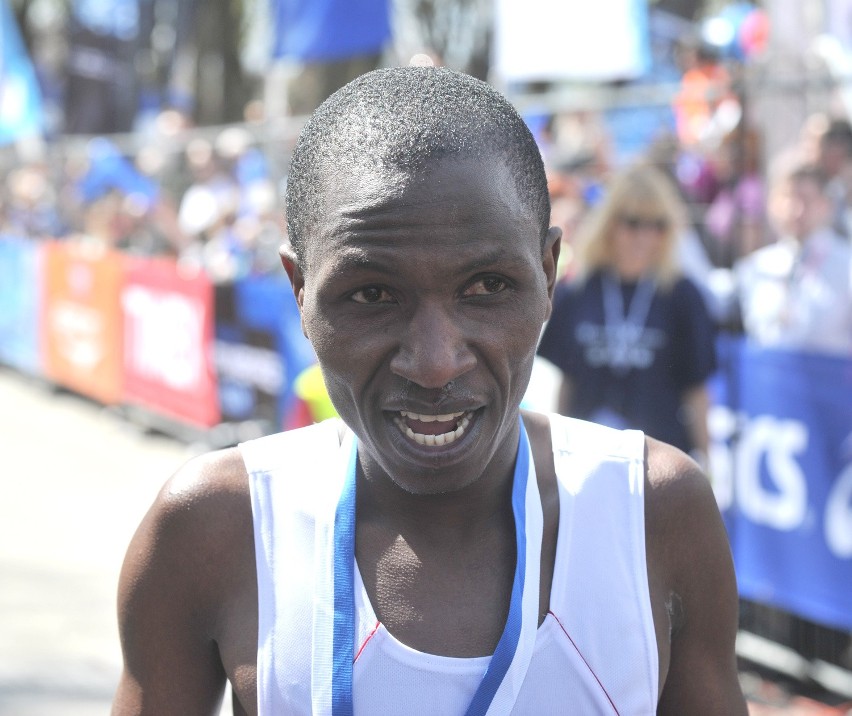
x: 433, y: 440
x: 431, y: 418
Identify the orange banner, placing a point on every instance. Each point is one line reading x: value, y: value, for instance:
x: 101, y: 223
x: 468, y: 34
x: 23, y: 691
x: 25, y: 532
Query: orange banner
x: 81, y: 320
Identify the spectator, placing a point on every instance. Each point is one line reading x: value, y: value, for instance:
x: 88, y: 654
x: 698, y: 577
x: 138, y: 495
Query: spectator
x: 123, y: 207
x: 704, y: 91
x: 30, y: 209
x: 735, y: 221
x: 208, y: 213
x: 834, y: 159
x: 632, y: 336
x: 102, y: 69
x: 691, y: 255
x: 568, y: 205
x: 797, y: 292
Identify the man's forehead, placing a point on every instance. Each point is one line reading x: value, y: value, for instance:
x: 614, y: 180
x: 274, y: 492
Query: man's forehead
x: 447, y: 183
x: 368, y: 215
x: 445, y: 260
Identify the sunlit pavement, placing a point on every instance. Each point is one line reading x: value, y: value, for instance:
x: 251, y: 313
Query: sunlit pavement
x: 76, y: 481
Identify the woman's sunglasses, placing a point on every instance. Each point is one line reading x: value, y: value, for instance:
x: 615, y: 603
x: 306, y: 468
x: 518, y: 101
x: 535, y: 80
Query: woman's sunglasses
x: 635, y: 223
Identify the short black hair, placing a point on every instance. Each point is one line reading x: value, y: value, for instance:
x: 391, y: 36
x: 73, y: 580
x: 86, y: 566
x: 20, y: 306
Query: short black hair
x: 400, y: 120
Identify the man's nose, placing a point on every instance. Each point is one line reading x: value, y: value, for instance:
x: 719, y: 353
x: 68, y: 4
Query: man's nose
x: 434, y: 349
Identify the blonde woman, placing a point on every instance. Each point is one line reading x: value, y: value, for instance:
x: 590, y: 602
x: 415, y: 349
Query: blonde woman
x: 631, y: 334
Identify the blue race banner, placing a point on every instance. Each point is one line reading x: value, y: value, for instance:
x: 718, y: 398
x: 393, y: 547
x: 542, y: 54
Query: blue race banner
x: 785, y: 420
x: 326, y: 30
x: 20, y: 97
x: 259, y: 349
x: 20, y: 282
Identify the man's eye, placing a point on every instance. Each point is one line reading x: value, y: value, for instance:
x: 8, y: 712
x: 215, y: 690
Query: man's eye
x: 372, y: 294
x: 485, y: 286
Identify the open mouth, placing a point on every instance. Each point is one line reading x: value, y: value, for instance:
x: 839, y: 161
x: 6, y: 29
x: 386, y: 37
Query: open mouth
x: 433, y: 430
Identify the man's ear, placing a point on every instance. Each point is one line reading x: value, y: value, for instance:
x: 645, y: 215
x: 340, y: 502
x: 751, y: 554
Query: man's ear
x: 550, y: 257
x: 297, y: 278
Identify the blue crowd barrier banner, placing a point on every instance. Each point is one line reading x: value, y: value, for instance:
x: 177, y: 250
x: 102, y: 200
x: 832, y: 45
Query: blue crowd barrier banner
x: 20, y: 280
x: 259, y: 349
x: 789, y: 436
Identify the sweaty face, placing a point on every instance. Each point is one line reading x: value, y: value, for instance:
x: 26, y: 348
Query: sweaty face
x: 424, y: 304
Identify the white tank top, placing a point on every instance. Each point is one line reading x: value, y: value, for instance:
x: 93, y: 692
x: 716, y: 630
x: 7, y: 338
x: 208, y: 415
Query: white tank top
x: 595, y: 652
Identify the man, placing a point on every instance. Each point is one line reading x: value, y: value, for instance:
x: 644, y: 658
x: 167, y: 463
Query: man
x: 797, y: 292
x: 374, y: 563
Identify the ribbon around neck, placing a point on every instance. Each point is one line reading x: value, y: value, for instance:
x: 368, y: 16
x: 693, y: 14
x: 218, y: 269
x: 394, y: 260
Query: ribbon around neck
x: 501, y: 682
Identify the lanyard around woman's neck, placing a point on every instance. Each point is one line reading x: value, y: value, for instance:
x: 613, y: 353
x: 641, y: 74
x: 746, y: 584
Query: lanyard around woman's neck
x: 504, y: 675
x: 623, y: 327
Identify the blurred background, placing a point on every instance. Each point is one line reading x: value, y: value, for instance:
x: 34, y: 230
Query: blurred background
x: 144, y: 316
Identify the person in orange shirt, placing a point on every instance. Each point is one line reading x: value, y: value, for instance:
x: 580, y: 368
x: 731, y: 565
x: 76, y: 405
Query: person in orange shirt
x: 705, y: 85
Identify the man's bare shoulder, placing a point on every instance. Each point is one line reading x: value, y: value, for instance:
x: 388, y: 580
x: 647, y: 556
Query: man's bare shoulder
x: 681, y: 522
x: 186, y: 587
x: 203, y: 510
x: 690, y: 569
x: 211, y: 476
x: 211, y: 485
x: 675, y: 485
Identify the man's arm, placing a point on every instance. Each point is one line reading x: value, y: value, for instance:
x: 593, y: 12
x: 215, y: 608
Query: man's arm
x: 689, y: 550
x: 171, y: 584
x: 696, y: 402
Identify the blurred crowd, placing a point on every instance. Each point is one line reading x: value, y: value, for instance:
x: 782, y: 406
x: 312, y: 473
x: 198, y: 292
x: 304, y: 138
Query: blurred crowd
x: 211, y: 201
x: 763, y: 239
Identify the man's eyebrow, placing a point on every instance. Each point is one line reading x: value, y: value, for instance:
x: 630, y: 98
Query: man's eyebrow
x: 487, y: 260
x: 385, y: 260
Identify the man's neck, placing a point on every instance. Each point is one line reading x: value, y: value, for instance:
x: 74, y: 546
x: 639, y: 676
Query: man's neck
x: 451, y: 518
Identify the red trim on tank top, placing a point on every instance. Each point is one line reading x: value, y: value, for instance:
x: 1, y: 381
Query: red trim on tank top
x: 369, y: 636
x: 591, y: 670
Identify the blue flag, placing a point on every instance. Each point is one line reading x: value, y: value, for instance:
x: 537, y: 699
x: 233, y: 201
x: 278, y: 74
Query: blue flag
x: 326, y: 30
x: 20, y: 99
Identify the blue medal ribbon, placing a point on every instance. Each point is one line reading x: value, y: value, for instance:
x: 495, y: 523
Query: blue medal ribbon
x: 344, y: 591
x: 343, y: 654
x: 508, y: 644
